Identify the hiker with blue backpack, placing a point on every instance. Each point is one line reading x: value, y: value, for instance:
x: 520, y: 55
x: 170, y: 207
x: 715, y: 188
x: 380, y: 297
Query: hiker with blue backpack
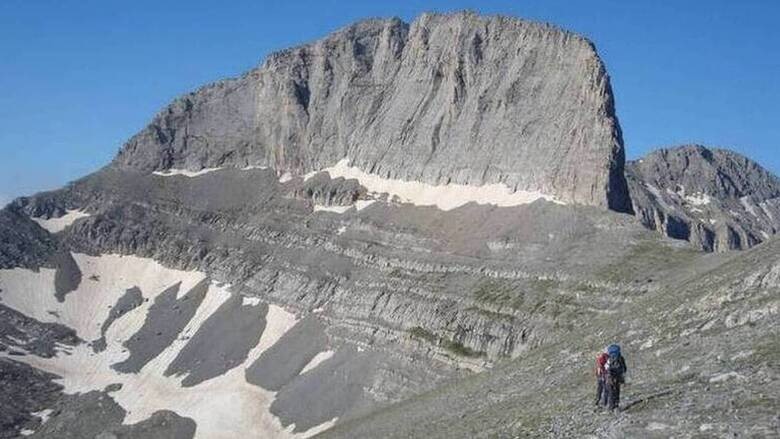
x: 614, y: 375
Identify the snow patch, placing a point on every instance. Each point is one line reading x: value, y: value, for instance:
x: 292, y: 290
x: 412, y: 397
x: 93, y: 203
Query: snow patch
x: 44, y: 415
x: 250, y: 301
x: 659, y: 196
x: 314, y: 430
x: 223, y: 407
x: 444, y: 197
x: 359, y: 205
x: 333, y: 209
x: 656, y: 426
x: 748, y: 205
x: 55, y: 225
x: 185, y: 172
x: 765, y: 207
x: 698, y: 199
x: 362, y: 204
x: 319, y: 358
x: 88, y: 307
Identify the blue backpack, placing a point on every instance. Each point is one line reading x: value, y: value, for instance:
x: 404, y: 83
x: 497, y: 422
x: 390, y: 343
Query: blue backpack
x: 615, y: 365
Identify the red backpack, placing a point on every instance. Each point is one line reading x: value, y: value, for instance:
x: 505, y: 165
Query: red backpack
x: 601, y: 361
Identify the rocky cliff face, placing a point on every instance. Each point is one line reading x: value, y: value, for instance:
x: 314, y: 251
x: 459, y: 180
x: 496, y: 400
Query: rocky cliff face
x: 447, y: 99
x: 714, y: 198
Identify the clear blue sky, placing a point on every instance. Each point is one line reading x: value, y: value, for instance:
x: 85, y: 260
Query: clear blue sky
x: 77, y: 78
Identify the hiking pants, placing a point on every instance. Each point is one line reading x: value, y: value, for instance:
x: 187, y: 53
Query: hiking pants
x: 601, y: 391
x: 613, y: 392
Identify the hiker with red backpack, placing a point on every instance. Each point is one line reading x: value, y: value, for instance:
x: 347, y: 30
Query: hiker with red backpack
x: 614, y: 375
x: 601, y: 391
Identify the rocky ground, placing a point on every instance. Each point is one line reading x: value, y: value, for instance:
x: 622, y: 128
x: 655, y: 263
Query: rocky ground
x: 524, y: 296
x: 702, y: 355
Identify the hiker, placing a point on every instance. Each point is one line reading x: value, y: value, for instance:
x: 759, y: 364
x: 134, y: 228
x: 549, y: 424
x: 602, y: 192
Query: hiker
x: 614, y: 375
x: 601, y: 391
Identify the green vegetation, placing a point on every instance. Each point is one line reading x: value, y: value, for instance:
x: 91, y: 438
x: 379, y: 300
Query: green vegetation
x: 499, y: 294
x: 457, y: 348
x: 452, y: 346
x: 647, y: 257
x: 423, y: 334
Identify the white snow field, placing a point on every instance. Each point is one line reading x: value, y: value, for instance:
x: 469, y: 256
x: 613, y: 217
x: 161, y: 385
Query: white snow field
x: 333, y: 209
x: 359, y: 205
x: 222, y: 407
x: 187, y: 173
x: 319, y: 358
x: 444, y: 197
x: 698, y: 199
x: 55, y: 225
x: 184, y: 172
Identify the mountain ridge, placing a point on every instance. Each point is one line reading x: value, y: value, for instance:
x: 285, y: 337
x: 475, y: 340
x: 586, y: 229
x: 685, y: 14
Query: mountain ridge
x: 715, y: 198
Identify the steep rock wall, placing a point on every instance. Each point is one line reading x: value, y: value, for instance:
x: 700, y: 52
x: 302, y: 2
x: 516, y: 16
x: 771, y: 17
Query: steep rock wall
x: 455, y: 98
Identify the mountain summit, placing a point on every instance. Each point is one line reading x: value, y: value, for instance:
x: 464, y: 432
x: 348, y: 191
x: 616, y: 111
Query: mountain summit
x: 456, y: 98
x: 716, y: 199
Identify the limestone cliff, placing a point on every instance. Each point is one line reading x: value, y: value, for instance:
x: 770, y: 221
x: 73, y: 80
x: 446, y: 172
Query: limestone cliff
x: 456, y: 98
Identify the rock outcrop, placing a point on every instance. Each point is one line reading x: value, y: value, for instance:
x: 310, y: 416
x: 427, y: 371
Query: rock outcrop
x: 714, y: 198
x: 455, y: 98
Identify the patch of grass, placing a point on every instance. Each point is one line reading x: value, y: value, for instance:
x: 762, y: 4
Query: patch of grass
x: 499, y: 294
x: 767, y: 350
x: 489, y: 314
x: 457, y: 348
x: 452, y: 346
x: 543, y: 286
x: 423, y: 334
x: 756, y: 402
x: 647, y: 257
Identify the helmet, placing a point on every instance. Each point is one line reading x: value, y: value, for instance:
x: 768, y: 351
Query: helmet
x: 613, y: 350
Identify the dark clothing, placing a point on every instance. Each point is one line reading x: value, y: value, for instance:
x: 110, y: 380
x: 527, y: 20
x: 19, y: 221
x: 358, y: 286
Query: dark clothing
x: 617, y: 367
x: 601, y: 391
x: 613, y: 392
x: 614, y: 378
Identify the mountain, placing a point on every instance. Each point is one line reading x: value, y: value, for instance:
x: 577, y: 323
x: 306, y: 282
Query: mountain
x: 714, y: 198
x: 397, y: 231
x: 455, y: 98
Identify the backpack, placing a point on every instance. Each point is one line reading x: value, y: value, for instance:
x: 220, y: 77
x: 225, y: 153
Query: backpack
x: 615, y: 365
x: 601, y: 361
